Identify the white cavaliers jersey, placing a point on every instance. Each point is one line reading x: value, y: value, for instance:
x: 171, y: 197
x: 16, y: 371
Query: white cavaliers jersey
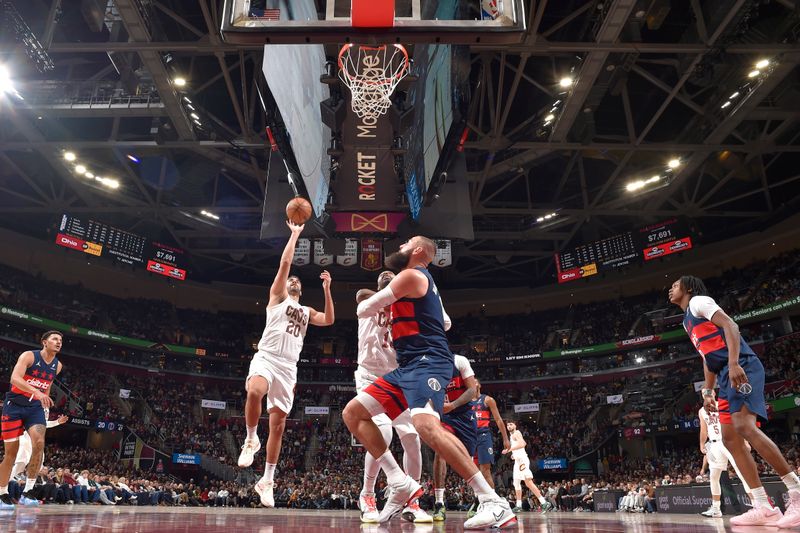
x: 712, y: 423
x: 376, y: 354
x: 286, y: 327
x: 520, y: 454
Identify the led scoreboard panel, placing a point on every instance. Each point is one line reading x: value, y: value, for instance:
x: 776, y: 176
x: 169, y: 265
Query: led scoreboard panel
x: 101, y: 240
x: 651, y: 242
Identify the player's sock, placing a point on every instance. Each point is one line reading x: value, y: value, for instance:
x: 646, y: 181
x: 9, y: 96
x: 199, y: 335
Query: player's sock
x: 542, y: 500
x: 269, y: 471
x: 29, y: 483
x: 371, y: 471
x: 760, y: 498
x: 252, y: 432
x: 3, y: 490
x: 481, y: 487
x: 792, y: 482
x: 394, y: 474
x: 439, y: 495
x: 716, y: 504
x: 519, y: 503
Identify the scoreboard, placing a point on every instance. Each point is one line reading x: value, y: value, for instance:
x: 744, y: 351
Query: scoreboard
x: 101, y: 240
x: 651, y: 242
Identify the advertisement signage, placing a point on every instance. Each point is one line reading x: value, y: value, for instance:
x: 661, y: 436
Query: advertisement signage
x: 185, y: 459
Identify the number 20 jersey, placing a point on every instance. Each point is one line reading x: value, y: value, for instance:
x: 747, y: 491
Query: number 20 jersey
x: 283, y: 334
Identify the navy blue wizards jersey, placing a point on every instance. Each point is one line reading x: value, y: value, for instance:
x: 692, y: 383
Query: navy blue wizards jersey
x: 707, y: 338
x: 39, y: 375
x: 418, y: 326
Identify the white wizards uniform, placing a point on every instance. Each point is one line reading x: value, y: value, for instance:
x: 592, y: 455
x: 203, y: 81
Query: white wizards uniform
x: 522, y: 466
x: 376, y: 357
x: 716, y: 452
x: 279, y: 351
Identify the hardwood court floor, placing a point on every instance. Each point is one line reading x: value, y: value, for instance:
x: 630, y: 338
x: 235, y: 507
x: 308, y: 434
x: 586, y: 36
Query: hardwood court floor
x: 96, y: 519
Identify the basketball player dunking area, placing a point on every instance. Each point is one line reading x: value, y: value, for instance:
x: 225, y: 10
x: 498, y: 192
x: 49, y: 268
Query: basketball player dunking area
x: 522, y: 469
x: 728, y: 359
x: 425, y: 367
x: 377, y: 357
x: 718, y: 458
x: 273, y: 370
x: 24, y: 412
x: 458, y: 419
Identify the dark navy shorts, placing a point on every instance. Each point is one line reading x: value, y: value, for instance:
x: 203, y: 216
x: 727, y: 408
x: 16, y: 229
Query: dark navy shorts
x: 464, y: 427
x: 411, y: 386
x: 731, y: 400
x: 485, y: 449
x: 17, y: 419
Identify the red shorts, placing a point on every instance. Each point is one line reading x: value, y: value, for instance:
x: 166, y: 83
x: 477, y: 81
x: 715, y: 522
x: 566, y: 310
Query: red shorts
x: 389, y: 396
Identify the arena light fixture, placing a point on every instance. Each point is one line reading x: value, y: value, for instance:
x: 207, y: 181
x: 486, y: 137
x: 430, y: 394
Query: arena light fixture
x: 726, y: 104
x: 6, y: 83
x: 209, y: 214
x: 635, y: 185
x: 194, y: 116
x: 734, y: 95
x: 133, y: 158
x: 80, y: 169
x: 186, y: 98
x: 565, y: 82
x: 198, y: 122
x: 753, y: 73
x: 674, y: 163
x: 639, y: 359
x: 88, y: 174
x: 762, y: 64
x: 179, y: 82
x: 549, y: 117
x: 69, y: 156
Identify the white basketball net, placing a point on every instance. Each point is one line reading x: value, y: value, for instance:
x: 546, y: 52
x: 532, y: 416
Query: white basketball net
x: 371, y: 74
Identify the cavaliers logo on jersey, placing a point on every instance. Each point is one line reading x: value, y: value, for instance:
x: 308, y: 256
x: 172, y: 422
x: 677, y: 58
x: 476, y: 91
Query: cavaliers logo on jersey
x: 522, y: 467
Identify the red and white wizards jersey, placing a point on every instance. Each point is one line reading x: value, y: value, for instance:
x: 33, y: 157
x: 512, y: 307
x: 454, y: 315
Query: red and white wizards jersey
x: 284, y: 331
x: 712, y: 423
x: 376, y: 354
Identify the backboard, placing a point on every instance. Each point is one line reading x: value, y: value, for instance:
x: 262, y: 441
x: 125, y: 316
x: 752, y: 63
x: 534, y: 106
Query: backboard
x: 343, y: 21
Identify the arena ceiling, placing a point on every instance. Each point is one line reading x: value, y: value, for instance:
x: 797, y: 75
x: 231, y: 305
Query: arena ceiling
x: 654, y: 80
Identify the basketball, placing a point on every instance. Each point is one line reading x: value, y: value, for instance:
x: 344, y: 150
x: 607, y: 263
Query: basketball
x: 298, y: 210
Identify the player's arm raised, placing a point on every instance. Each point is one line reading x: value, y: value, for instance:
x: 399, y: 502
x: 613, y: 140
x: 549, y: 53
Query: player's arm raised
x: 703, y: 435
x: 407, y: 284
x: 328, y: 317
x: 492, y: 405
x: 363, y: 294
x: 18, y: 379
x: 277, y: 292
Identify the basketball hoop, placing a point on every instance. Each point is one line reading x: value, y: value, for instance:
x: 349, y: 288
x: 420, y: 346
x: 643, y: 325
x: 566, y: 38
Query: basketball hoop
x: 372, y: 73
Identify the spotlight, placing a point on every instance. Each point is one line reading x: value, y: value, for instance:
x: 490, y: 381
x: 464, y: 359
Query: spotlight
x: 549, y: 117
x: 194, y: 116
x: 753, y: 73
x: 187, y: 99
x: 198, y: 122
x: 88, y: 174
x: 565, y: 82
x: 179, y: 82
x: 726, y: 104
x: 133, y: 158
x: 764, y: 63
x: 734, y: 95
x: 540, y: 219
x: 674, y: 163
x: 80, y: 169
x: 69, y: 156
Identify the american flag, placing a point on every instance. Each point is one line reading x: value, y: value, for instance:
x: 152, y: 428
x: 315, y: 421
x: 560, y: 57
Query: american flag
x: 266, y: 14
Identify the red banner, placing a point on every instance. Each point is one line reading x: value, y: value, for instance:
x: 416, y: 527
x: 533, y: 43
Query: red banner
x: 577, y: 273
x: 668, y: 248
x: 73, y: 243
x: 166, y: 270
x: 367, y: 222
x: 371, y: 254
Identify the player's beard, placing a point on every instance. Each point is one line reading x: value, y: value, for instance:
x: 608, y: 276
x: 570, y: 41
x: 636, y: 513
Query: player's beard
x: 294, y: 291
x: 397, y: 261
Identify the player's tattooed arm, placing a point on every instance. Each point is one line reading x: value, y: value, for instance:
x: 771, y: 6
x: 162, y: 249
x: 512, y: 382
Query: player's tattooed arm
x: 467, y: 396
